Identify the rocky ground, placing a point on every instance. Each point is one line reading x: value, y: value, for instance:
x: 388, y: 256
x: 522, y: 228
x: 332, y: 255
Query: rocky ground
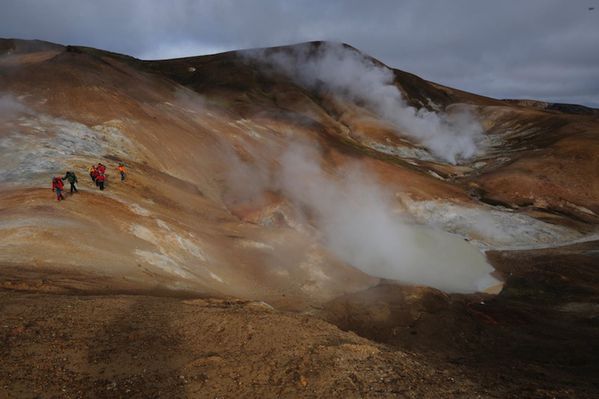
x: 140, y: 346
x: 537, y: 339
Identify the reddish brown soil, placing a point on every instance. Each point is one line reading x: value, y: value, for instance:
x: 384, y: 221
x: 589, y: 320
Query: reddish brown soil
x: 139, y: 346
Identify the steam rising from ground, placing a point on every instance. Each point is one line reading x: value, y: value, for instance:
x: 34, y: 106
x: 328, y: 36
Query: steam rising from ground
x: 358, y: 223
x: 354, y: 214
x: 9, y: 106
x: 348, y: 74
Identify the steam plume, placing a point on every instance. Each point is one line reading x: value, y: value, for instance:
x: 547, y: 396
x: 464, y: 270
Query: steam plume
x: 358, y: 223
x: 348, y: 74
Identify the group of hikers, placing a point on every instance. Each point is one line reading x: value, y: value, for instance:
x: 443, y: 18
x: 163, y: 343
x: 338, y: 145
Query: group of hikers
x: 96, y: 172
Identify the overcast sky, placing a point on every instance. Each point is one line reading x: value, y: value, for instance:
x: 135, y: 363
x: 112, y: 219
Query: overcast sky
x: 541, y: 49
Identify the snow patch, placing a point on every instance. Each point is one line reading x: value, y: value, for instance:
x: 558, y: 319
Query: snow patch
x: 255, y: 244
x: 189, y: 246
x: 144, y: 233
x: 139, y: 210
x: 163, y: 262
x: 217, y: 278
x: 169, y: 256
x: 163, y: 225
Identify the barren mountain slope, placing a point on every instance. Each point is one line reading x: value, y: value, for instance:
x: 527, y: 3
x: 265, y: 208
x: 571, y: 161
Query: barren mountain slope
x: 313, y: 178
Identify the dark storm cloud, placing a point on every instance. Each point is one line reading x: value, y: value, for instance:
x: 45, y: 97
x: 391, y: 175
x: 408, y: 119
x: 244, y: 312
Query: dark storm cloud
x: 544, y: 49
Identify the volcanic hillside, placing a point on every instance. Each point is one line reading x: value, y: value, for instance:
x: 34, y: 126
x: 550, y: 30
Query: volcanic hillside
x: 315, y: 179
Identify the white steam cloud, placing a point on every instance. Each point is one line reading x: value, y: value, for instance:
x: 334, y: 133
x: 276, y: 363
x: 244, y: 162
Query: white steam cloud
x: 10, y: 106
x: 350, y: 75
x: 358, y: 223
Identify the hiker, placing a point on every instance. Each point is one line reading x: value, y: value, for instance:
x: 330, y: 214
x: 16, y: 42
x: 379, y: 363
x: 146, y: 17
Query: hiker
x: 100, y: 180
x: 121, y: 169
x: 95, y: 176
x: 101, y: 168
x: 93, y: 172
x: 72, y: 178
x: 57, y: 187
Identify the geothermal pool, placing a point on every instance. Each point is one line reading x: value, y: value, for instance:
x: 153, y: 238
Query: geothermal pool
x: 427, y: 256
x: 459, y: 265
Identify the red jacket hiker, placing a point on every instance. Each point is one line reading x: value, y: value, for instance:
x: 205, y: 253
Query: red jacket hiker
x: 94, y: 175
x: 58, y: 186
x: 100, y: 181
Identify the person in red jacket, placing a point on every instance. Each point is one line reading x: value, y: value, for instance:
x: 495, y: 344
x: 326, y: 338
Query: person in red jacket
x: 100, y: 179
x: 58, y: 187
x: 94, y: 175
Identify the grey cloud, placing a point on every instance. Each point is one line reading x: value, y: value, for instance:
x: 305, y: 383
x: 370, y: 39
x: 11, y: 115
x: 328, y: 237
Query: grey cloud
x: 545, y: 49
